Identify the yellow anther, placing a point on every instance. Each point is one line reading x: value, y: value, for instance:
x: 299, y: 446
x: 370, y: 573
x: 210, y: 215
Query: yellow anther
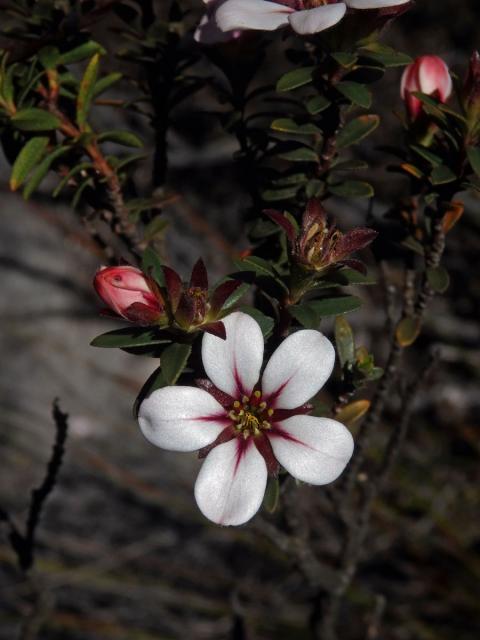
x: 262, y: 405
x: 257, y: 394
x: 245, y: 434
x: 266, y: 425
x: 245, y: 399
x: 270, y: 412
x: 236, y: 404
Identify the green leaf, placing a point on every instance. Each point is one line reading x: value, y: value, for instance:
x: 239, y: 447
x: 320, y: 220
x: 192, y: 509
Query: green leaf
x: 473, y: 154
x: 275, y: 195
x: 352, y: 189
x: 126, y: 138
x: 155, y: 228
x: 266, y: 323
x: 129, y: 337
x: 105, y: 83
x: 345, y: 58
x: 296, y: 78
x: 407, y: 331
x: 41, y: 171
x: 232, y: 300
x: 344, y: 341
x: 272, y: 495
x: 86, y: 89
x: 357, y: 130
x: 302, y: 154
x: 356, y: 93
x: 173, y: 361
x: 33, y: 119
x: 438, y: 279
x: 387, y: 56
x: 442, y: 175
x: 287, y: 125
x: 253, y: 263
x: 317, y: 105
x: 152, y: 264
x: 83, y: 166
x: 310, y: 313
x: 26, y: 160
x: 349, y: 165
x: 82, y: 52
x: 430, y: 157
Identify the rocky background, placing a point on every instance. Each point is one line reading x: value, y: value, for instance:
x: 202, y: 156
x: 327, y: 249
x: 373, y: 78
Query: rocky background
x: 123, y: 553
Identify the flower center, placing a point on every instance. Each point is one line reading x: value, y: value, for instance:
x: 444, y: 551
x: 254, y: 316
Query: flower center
x: 251, y: 415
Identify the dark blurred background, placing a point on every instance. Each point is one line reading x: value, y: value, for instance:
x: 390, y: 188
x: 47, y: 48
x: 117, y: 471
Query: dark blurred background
x: 123, y: 552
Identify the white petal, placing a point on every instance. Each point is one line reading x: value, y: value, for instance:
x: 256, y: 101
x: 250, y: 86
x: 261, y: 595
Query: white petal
x: 231, y: 483
x: 181, y: 418
x: 208, y: 32
x: 314, y: 450
x: 252, y: 14
x: 298, y: 369
x: 233, y: 365
x: 319, y: 19
x: 373, y: 4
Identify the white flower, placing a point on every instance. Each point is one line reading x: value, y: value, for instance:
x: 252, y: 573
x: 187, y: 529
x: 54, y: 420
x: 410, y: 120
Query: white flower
x: 304, y: 16
x: 250, y: 426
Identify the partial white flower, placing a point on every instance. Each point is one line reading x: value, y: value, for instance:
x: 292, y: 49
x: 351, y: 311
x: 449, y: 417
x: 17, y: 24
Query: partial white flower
x: 208, y: 32
x: 306, y: 17
x: 247, y: 426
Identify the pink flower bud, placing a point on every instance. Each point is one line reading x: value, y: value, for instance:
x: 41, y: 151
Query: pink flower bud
x: 128, y: 292
x: 429, y: 75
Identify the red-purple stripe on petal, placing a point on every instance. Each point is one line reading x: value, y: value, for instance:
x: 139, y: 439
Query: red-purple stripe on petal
x: 220, y: 396
x: 225, y: 436
x: 242, y: 447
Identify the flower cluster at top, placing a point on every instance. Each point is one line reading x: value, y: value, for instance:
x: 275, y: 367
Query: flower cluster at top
x: 246, y: 424
x: 227, y: 19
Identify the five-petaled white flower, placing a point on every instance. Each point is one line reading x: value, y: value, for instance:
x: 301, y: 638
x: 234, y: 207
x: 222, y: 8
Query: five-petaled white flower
x: 304, y: 16
x: 248, y: 427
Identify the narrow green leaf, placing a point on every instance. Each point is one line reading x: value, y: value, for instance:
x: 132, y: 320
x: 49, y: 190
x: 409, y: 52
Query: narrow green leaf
x: 126, y: 138
x: 309, y: 314
x: 26, y: 160
x: 152, y: 264
x: 106, y: 82
x: 34, y: 119
x: 41, y: 171
x: 357, y: 130
x: 82, y: 52
x: 253, y: 263
x: 344, y: 341
x: 272, y: 495
x: 129, y: 337
x: 296, y: 78
x: 429, y: 156
x: 173, y: 361
x: 86, y: 89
